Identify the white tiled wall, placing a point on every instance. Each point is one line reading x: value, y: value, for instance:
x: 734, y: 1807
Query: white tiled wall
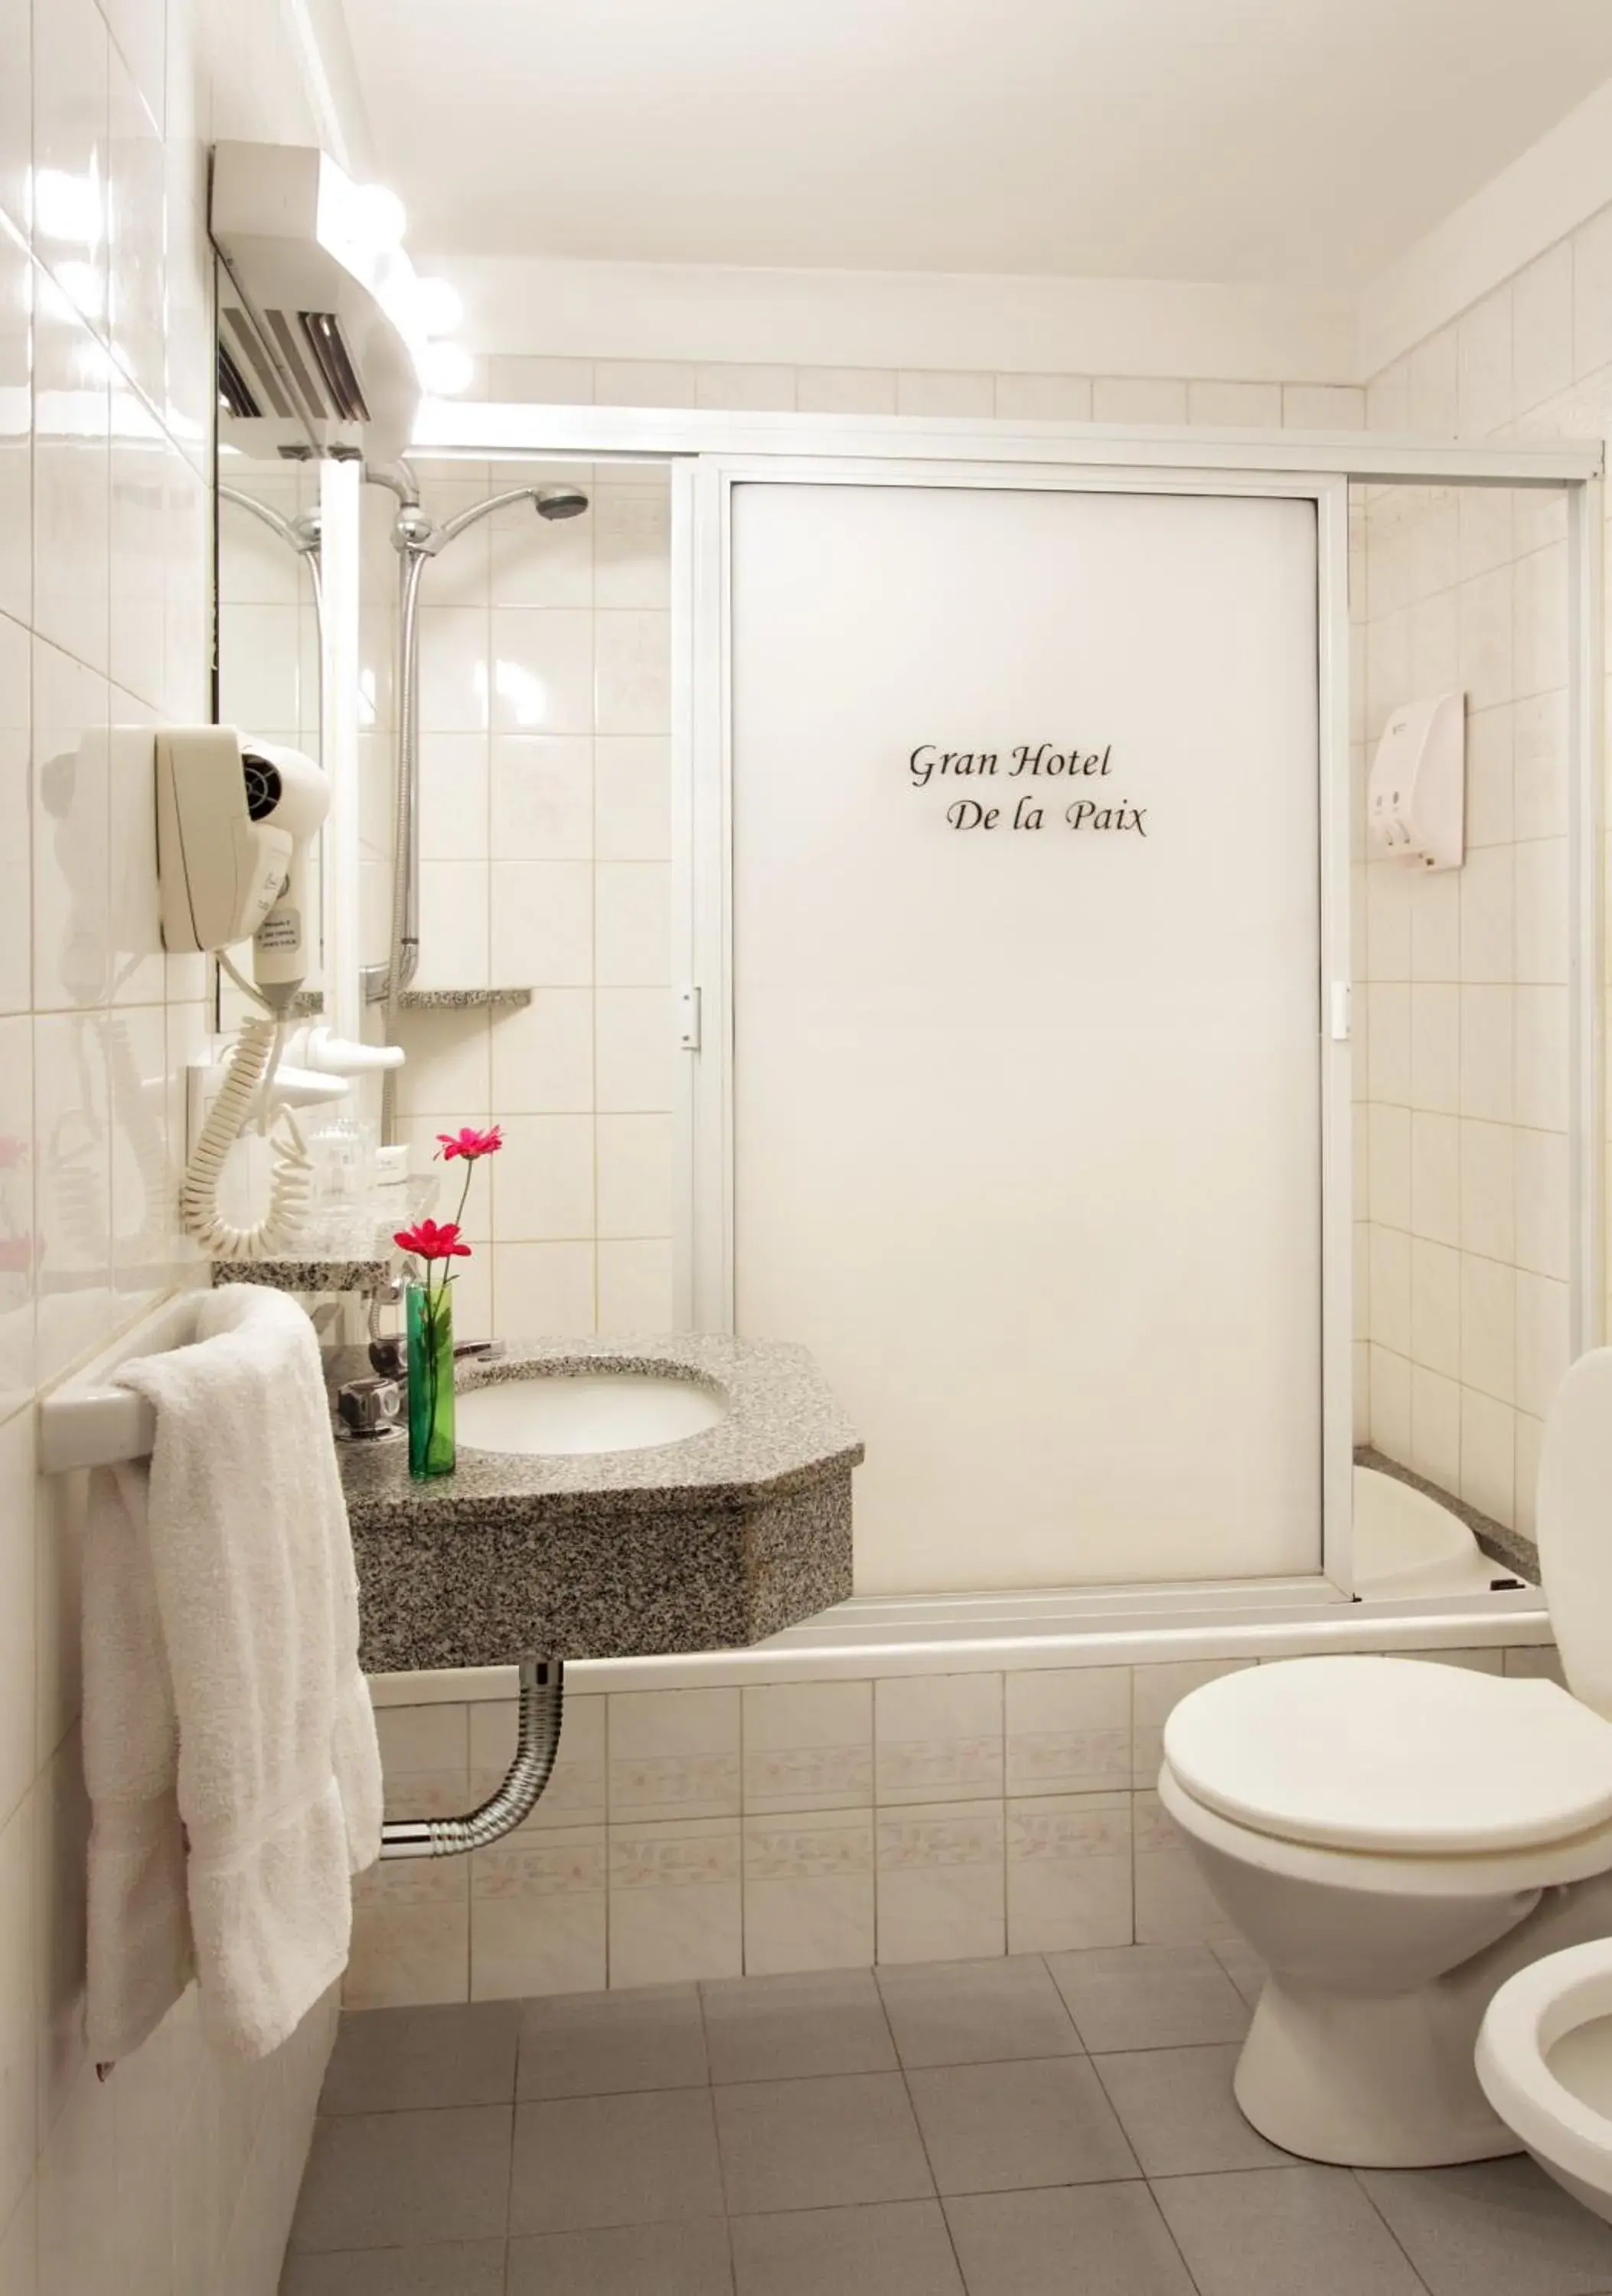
x: 710, y: 1832
x: 882, y: 390
x: 546, y: 844
x: 1462, y: 1192
x: 176, y: 2177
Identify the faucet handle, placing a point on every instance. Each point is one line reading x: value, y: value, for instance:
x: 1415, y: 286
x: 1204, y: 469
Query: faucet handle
x: 367, y: 1408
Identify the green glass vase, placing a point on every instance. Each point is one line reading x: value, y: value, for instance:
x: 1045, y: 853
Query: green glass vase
x: 431, y: 1449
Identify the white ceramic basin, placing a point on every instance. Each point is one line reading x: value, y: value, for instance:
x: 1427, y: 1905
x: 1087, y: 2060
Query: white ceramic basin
x: 562, y: 1414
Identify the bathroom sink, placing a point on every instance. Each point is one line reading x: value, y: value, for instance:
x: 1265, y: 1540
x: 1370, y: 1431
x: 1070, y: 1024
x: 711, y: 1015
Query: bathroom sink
x: 614, y: 1498
x: 561, y: 1415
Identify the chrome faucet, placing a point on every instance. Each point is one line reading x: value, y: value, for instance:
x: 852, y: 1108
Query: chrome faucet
x: 389, y: 1355
x: 374, y: 1406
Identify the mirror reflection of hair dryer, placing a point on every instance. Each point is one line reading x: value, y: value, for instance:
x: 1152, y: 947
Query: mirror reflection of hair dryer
x: 73, y: 1232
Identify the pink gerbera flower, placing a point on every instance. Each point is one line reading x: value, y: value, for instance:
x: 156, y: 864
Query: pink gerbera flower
x: 427, y: 1241
x: 469, y: 1143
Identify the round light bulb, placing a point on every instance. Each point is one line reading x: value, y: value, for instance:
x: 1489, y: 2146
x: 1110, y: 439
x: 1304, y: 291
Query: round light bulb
x: 385, y: 217
x: 437, y: 306
x: 446, y: 368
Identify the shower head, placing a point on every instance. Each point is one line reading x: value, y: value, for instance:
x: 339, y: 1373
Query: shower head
x: 417, y: 536
x: 559, y: 502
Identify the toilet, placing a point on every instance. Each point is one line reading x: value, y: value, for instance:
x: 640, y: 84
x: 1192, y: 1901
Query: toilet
x: 1545, y: 2058
x: 1397, y: 1839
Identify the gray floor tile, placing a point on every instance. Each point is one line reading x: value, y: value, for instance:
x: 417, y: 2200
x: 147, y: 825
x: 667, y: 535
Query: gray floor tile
x: 457, y: 2267
x: 892, y: 2248
x: 597, y: 2043
x: 819, y: 2143
x: 1177, y: 2108
x: 1284, y: 2231
x: 1150, y: 1996
x: 663, y: 2259
x: 960, y: 2012
x: 390, y: 2180
x: 1493, y: 2228
x: 1104, y: 2240
x: 388, y: 2060
x: 1243, y: 1966
x: 584, y: 2162
x: 993, y: 2128
x: 780, y: 2028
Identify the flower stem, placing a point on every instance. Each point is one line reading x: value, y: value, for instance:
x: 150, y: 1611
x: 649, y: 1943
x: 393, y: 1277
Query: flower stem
x: 430, y: 1358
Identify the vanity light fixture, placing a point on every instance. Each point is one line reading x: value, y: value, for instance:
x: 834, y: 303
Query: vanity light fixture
x: 327, y: 334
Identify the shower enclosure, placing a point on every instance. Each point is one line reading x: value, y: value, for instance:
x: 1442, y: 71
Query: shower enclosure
x: 1024, y: 1095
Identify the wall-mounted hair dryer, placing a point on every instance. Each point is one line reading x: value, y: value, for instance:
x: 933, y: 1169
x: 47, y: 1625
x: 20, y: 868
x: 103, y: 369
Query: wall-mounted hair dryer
x: 234, y: 822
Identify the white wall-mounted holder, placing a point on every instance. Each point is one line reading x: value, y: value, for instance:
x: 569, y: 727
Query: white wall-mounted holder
x: 1416, y: 797
x: 88, y: 1422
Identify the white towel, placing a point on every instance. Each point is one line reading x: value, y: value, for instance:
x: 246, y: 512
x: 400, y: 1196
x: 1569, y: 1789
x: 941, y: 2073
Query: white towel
x: 229, y: 1739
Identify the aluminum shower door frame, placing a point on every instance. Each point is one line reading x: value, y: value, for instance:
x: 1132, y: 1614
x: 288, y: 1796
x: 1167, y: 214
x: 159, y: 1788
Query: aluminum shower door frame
x: 707, y: 867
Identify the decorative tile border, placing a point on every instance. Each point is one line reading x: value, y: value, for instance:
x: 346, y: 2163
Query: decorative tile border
x: 644, y: 1858
x: 837, y: 1875
x: 643, y: 1782
x: 536, y: 1866
x: 808, y: 1777
x: 1058, y: 1832
x: 936, y: 1838
x: 784, y: 1849
x: 918, y: 1769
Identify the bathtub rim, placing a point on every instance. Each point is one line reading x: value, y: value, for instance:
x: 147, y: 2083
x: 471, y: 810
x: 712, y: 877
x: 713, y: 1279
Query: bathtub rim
x: 1160, y: 1626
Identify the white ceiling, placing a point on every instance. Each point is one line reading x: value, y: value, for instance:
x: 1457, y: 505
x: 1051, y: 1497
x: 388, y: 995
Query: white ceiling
x: 1299, y: 142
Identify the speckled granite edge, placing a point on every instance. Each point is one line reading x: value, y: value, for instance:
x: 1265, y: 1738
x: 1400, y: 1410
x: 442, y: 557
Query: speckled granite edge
x: 1514, y: 1550
x: 462, y: 1000
x: 606, y: 1585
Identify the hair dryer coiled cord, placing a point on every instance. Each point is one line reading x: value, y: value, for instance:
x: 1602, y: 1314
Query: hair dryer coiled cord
x: 291, y: 1186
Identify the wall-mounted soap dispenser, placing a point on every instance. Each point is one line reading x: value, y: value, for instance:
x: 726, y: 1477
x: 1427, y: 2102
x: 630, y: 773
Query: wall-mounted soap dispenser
x: 1416, y: 797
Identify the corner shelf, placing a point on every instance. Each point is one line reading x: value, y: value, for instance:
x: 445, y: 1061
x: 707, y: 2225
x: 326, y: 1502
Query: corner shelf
x: 307, y: 1004
x: 463, y: 1000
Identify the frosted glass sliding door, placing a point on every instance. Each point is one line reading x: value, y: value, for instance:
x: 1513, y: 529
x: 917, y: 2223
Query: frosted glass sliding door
x: 1026, y: 1061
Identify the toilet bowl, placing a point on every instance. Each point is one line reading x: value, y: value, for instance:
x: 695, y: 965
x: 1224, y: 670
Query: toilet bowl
x: 1545, y: 2058
x: 1397, y: 1839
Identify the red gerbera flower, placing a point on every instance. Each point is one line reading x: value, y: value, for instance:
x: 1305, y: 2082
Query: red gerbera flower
x: 427, y: 1241
x: 470, y: 1143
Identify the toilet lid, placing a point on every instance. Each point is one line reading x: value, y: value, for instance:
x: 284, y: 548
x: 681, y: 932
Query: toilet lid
x: 1393, y: 1754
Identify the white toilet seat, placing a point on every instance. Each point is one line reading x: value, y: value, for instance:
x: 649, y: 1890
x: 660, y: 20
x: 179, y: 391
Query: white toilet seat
x: 1471, y: 1874
x: 1393, y: 1758
x: 1531, y: 2016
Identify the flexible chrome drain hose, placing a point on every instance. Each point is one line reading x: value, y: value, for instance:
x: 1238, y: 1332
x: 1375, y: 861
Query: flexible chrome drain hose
x: 539, y: 1715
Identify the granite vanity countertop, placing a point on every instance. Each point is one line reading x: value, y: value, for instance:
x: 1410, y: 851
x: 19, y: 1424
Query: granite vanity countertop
x: 782, y: 1431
